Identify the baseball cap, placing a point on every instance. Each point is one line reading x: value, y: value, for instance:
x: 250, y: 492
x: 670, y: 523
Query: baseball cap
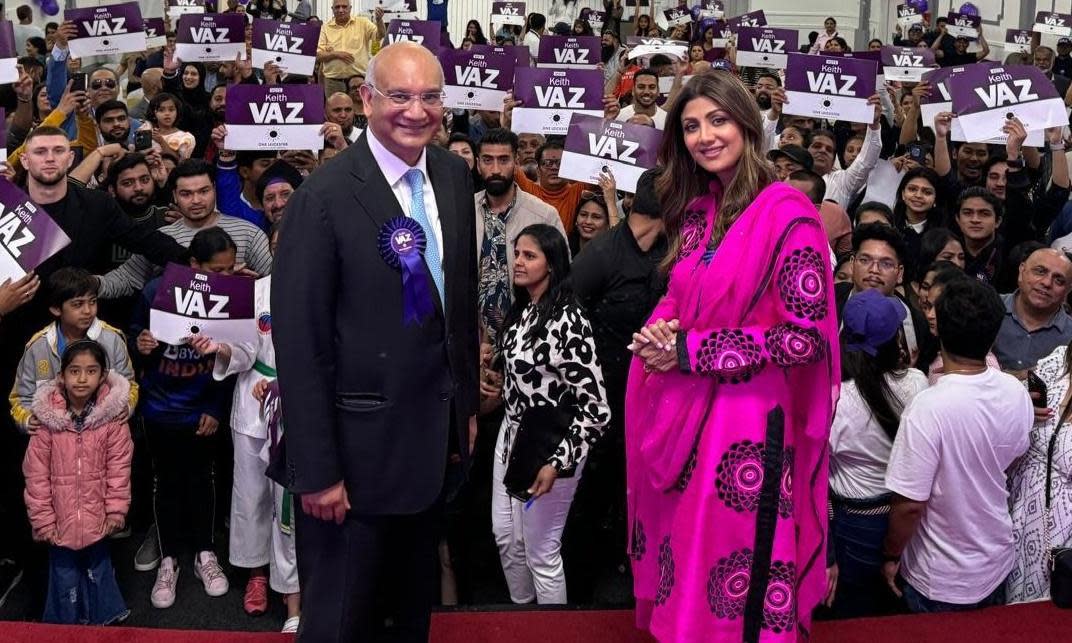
x: 794, y: 153
x: 916, y: 27
x: 870, y: 320
x: 1064, y: 41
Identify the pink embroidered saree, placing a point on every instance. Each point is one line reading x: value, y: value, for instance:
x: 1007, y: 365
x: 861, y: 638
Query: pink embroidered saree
x: 726, y: 458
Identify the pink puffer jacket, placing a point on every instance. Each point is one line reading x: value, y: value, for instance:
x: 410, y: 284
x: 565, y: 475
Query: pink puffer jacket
x: 75, y: 480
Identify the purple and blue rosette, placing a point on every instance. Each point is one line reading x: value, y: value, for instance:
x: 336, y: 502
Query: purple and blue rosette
x: 401, y: 242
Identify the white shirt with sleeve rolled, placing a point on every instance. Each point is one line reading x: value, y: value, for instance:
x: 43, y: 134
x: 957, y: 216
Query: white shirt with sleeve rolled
x: 394, y: 170
x: 955, y: 442
x: 842, y: 185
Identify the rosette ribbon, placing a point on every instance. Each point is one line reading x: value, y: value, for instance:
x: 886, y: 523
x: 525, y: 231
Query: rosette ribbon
x: 401, y: 242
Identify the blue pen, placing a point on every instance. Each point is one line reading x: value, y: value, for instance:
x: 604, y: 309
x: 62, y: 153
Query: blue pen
x: 529, y: 503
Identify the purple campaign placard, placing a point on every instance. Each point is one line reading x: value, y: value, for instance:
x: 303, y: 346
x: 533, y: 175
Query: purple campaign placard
x: 765, y: 47
x: 751, y: 19
x: 1053, y: 23
x: 522, y: 55
x: 389, y: 6
x: 106, y: 30
x: 476, y: 79
x: 859, y: 55
x: 677, y: 16
x: 712, y: 9
x: 274, y: 117
x: 908, y: 15
x: 155, y: 32
x: 963, y: 25
x: 508, y: 13
x: 1018, y: 41
x: 831, y: 88
x: 595, y: 145
x: 422, y: 32
x: 984, y: 98
x: 190, y: 302
x: 638, y: 41
x: 211, y: 37
x: 290, y: 45
x: 906, y: 63
x: 28, y: 235
x: 569, y: 52
x: 9, y: 55
x: 549, y: 96
x: 596, y: 20
x: 178, y: 8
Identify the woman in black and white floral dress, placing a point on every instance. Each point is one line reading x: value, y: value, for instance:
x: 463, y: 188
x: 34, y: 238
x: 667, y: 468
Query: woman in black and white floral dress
x: 1030, y: 577
x: 549, y: 356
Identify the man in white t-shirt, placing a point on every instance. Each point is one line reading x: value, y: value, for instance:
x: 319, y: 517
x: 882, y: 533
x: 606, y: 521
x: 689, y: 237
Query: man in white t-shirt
x: 645, y: 93
x: 950, y: 536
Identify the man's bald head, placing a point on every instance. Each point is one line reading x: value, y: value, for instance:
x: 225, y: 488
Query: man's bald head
x: 152, y: 82
x: 1045, y: 280
x: 340, y: 110
x: 398, y: 52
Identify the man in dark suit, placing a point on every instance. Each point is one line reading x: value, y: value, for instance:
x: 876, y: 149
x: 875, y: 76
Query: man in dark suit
x: 375, y: 401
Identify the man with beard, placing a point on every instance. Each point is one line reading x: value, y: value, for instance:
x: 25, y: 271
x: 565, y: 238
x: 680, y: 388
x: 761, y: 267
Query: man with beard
x: 113, y: 127
x: 1044, y: 58
x: 195, y: 197
x: 353, y: 89
x: 503, y: 211
x: 113, y: 122
x: 645, y: 93
x: 527, y: 144
x: 766, y: 85
x: 274, y: 188
x: 339, y: 109
x: 610, y: 51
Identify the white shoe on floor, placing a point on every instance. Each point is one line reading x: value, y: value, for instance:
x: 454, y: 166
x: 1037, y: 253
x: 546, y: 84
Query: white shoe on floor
x: 290, y: 626
x: 208, y: 569
x: 167, y: 577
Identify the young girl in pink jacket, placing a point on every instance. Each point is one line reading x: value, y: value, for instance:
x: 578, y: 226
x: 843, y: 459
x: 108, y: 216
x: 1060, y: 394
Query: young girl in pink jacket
x: 77, y: 470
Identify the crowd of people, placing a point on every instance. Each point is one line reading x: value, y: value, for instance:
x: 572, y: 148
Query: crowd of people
x: 857, y: 334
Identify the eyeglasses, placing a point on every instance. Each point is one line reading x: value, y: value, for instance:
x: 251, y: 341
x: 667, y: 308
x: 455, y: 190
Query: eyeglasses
x: 884, y: 265
x: 403, y: 99
x: 551, y: 163
x: 97, y: 84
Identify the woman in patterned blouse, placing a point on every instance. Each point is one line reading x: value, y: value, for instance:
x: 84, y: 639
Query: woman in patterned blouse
x: 549, y: 356
x: 732, y: 389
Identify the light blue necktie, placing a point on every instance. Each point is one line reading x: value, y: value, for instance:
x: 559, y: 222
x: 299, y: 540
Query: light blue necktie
x: 415, y: 179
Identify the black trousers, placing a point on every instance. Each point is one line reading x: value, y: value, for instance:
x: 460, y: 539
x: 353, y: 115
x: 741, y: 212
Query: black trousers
x: 185, y: 499
x: 373, y: 578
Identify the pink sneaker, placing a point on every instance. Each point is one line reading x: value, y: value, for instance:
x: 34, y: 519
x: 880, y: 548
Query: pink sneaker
x: 167, y: 577
x: 256, y: 600
x: 211, y: 574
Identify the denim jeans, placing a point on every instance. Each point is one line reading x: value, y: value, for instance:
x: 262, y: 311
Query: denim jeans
x: 82, y: 588
x: 861, y: 588
x: 920, y: 604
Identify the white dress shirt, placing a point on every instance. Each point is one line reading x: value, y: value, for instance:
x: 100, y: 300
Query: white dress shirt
x: 394, y: 170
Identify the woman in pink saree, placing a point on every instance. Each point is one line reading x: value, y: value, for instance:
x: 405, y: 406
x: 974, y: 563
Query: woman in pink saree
x: 731, y: 390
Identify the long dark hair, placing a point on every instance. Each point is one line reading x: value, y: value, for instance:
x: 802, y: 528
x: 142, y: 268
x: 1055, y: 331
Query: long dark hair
x: 869, y: 373
x: 685, y: 180
x: 936, y: 216
x: 559, y: 291
x: 478, y: 38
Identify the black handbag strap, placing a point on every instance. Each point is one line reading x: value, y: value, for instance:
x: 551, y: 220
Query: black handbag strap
x: 1050, y: 448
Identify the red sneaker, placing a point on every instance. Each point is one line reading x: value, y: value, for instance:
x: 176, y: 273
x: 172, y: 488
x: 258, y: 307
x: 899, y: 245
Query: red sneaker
x: 256, y: 600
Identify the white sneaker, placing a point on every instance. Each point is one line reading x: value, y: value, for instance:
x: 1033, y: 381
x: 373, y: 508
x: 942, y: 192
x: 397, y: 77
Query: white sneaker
x: 211, y: 574
x: 290, y: 626
x: 167, y: 577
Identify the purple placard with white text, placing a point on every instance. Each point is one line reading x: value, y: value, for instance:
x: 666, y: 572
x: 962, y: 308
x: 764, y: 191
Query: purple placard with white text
x: 596, y: 20
x: 677, y: 16
x: 508, y: 13
x: 831, y: 88
x: 155, y: 33
x: 521, y: 54
x: 638, y: 41
x: 712, y: 9
x: 9, y: 54
x: 177, y: 8
x: 595, y: 145
x: 1018, y: 41
x: 1053, y: 23
x: 476, y: 79
x: 28, y: 235
x: 962, y: 25
x: 290, y: 45
x: 569, y: 52
x: 859, y: 55
x: 908, y: 15
x: 751, y: 19
x: 189, y: 302
x: 906, y: 63
x: 984, y: 98
x: 211, y: 37
x: 274, y: 117
x: 103, y: 31
x: 940, y: 100
x: 550, y: 96
x: 765, y: 47
x: 422, y: 32
x: 400, y: 8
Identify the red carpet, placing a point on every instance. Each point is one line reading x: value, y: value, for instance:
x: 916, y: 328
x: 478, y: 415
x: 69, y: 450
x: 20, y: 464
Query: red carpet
x: 1035, y: 622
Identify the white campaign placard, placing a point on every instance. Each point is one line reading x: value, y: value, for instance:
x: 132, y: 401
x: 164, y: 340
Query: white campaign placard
x: 1053, y: 23
x: 289, y: 45
x: 106, y: 30
x: 476, y: 79
x: 765, y: 47
x: 830, y: 88
x: 176, y: 8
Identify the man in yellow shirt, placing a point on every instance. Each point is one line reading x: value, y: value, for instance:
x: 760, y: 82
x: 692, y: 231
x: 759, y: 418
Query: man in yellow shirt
x: 346, y: 45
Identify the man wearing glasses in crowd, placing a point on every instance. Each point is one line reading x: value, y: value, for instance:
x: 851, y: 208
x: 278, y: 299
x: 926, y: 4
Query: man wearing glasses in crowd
x: 377, y: 400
